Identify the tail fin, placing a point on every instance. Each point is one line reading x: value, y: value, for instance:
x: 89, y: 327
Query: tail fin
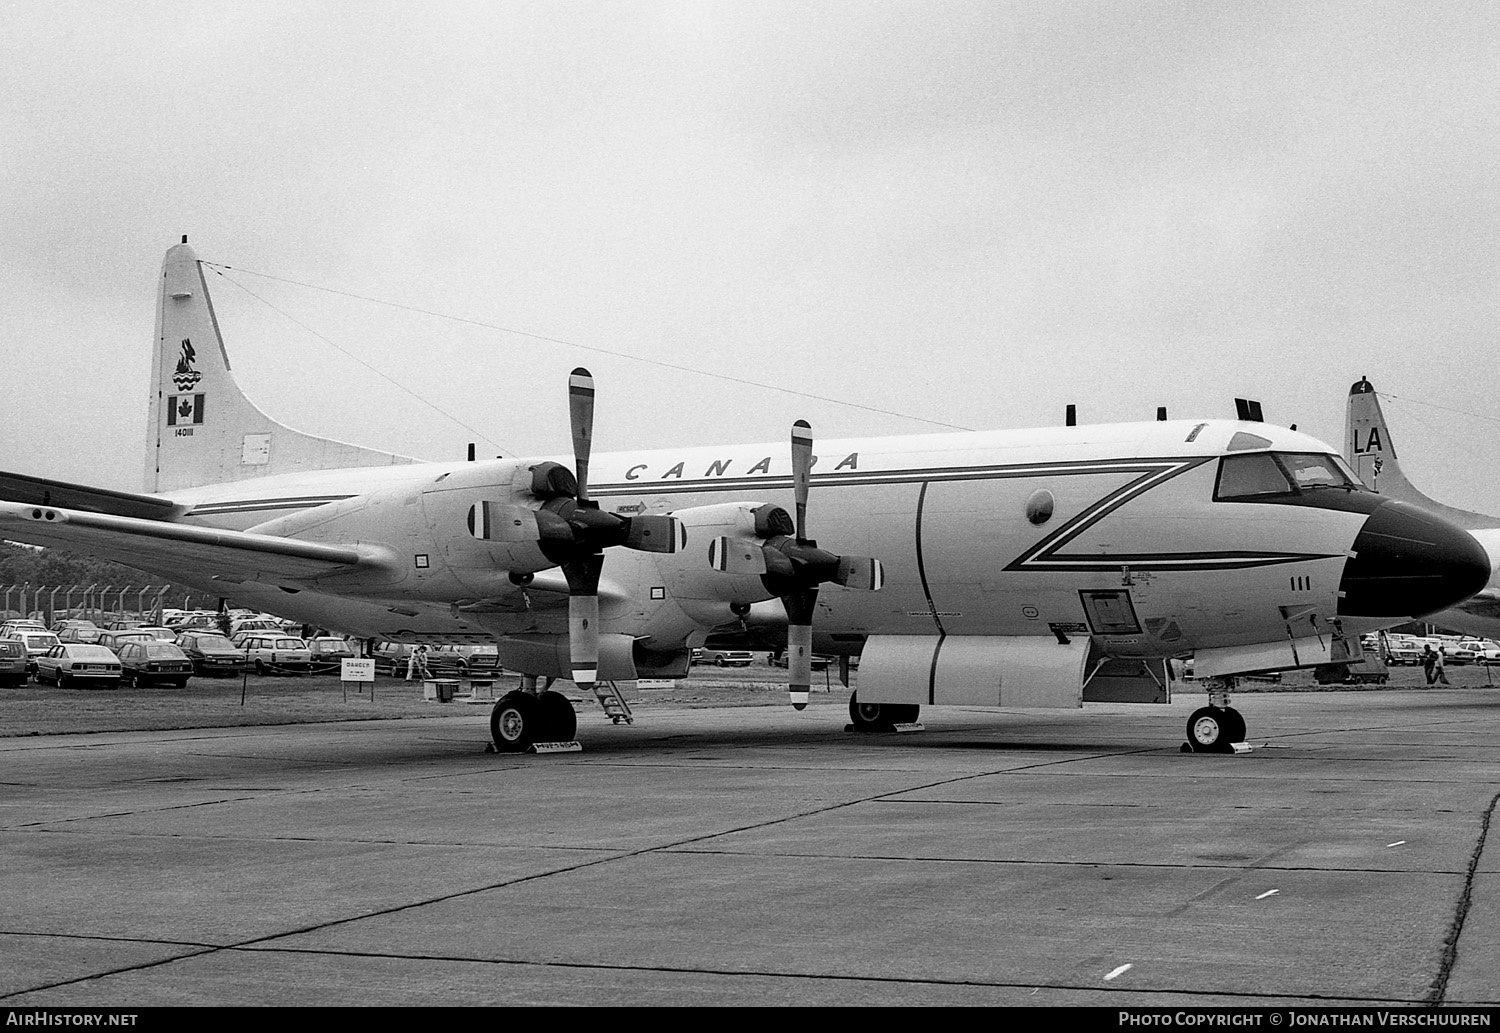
x: 202, y: 429
x: 1368, y: 447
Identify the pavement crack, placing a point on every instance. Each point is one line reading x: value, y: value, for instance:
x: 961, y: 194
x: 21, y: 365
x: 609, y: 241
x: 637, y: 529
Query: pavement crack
x: 1439, y: 989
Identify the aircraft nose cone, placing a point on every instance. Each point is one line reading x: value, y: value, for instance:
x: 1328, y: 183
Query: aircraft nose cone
x: 1408, y: 562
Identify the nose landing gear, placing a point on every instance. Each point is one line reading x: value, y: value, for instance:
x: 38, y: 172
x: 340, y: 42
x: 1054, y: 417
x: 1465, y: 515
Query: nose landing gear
x: 1216, y: 727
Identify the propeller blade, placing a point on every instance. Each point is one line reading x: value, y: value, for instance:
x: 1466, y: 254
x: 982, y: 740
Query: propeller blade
x: 802, y: 444
x: 799, y: 663
x: 653, y: 533
x: 863, y: 572
x: 583, y: 639
x: 733, y: 556
x: 581, y: 412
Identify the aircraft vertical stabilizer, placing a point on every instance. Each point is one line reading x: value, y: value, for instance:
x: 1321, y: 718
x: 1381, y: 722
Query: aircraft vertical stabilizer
x: 202, y: 429
x: 1369, y: 450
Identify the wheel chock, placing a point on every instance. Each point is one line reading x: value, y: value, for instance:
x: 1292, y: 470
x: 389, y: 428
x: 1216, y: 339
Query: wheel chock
x: 571, y: 746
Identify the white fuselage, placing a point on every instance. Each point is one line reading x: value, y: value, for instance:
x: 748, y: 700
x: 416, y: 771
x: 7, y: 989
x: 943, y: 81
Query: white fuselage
x: 1131, y: 510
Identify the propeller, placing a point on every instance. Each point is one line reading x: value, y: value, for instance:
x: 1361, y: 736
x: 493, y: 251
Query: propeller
x: 791, y: 565
x: 573, y: 532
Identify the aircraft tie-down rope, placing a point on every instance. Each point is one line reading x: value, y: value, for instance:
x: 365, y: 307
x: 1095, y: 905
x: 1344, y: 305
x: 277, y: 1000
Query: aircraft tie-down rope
x: 219, y: 268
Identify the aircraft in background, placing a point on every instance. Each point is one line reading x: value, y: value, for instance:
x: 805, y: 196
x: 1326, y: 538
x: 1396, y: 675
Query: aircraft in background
x: 1028, y: 568
x: 1371, y: 452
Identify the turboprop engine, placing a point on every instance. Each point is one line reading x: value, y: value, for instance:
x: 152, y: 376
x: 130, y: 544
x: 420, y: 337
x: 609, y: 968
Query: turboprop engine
x: 708, y: 594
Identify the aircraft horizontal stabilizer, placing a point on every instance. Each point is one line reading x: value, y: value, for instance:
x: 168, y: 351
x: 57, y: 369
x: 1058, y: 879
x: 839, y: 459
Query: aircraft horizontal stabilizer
x: 158, y: 544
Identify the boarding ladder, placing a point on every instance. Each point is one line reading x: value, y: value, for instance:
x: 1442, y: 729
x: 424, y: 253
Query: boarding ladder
x: 613, y: 701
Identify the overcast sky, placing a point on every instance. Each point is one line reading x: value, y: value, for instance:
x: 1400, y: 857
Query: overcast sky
x: 968, y: 213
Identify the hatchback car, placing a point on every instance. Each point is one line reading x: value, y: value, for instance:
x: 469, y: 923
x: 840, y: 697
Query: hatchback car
x: 142, y: 663
x: 14, y: 663
x: 73, y: 664
x: 113, y: 640
x: 212, y: 653
x: 329, y: 652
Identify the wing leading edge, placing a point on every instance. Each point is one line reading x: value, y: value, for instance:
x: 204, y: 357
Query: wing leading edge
x: 165, y: 546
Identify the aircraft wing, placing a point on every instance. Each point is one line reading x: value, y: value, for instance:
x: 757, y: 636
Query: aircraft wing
x: 40, y: 491
x: 165, y: 546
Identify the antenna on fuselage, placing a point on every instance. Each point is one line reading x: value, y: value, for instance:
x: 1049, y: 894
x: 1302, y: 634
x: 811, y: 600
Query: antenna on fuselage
x: 1070, y: 417
x: 1248, y: 410
x: 1161, y: 414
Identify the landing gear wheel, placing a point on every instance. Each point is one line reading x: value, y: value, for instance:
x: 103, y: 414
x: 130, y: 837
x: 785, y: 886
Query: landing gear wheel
x: 513, y: 722
x: 1208, y: 730
x: 556, y: 721
x: 879, y: 717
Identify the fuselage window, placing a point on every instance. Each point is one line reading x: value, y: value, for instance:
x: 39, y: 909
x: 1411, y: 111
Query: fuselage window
x: 1250, y: 475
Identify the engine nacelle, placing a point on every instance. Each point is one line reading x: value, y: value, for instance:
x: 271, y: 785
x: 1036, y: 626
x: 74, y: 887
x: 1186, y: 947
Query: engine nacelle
x: 691, y: 575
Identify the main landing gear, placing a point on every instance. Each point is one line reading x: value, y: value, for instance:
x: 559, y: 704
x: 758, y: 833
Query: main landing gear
x: 522, y: 718
x: 1216, y: 727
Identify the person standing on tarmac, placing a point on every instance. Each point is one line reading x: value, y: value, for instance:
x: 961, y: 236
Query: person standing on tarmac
x: 416, y: 664
x: 1429, y: 661
x: 1438, y: 674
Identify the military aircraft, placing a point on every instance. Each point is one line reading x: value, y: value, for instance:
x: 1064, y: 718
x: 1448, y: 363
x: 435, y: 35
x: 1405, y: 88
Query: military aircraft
x: 1026, y: 568
x: 1372, y: 453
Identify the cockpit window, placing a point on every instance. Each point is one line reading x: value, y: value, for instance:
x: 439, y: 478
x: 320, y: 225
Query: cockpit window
x: 1312, y: 471
x: 1280, y: 473
x: 1245, y: 476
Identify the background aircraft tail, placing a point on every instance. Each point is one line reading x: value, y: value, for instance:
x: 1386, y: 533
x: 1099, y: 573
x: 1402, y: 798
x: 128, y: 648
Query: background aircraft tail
x: 202, y: 429
x: 1368, y: 448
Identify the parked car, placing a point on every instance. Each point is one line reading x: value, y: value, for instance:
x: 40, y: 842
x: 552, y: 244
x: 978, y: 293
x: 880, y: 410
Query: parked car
x: 113, y: 640
x: 819, y: 661
x: 85, y: 633
x: 260, y: 625
x: 724, y: 657
x: 71, y: 664
x: 329, y: 652
x: 1402, y: 652
x: 14, y: 663
x: 142, y: 663
x: 36, y: 642
x: 212, y: 653
x: 480, y: 660
x: 161, y: 632
x: 276, y: 653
